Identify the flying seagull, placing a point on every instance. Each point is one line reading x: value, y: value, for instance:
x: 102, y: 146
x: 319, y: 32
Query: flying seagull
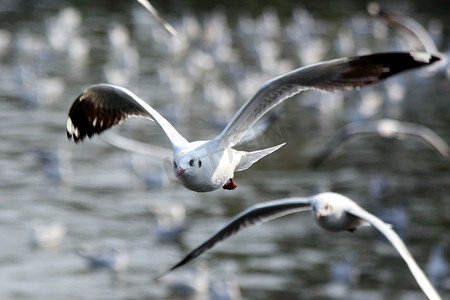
x: 204, y: 166
x: 386, y: 128
x: 332, y: 211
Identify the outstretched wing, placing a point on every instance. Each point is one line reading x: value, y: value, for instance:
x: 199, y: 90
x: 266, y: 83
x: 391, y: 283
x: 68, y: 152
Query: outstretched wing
x: 387, y: 128
x: 133, y: 146
x: 425, y: 134
x: 335, y: 75
x: 252, y: 216
x: 102, y: 106
x: 398, y: 244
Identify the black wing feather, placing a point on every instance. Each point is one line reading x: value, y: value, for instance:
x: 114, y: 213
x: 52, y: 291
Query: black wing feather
x: 252, y: 216
x: 100, y: 107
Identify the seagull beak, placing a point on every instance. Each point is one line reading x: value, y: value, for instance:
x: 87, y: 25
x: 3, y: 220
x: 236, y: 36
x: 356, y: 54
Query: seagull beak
x: 180, y: 171
x: 319, y: 215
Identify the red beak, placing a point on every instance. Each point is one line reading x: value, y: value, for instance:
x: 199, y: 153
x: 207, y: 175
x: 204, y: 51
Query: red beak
x: 319, y: 214
x: 180, y: 171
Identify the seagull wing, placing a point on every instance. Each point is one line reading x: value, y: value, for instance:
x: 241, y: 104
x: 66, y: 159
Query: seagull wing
x: 413, y: 28
x: 343, y: 134
x: 425, y: 134
x: 134, y: 146
x: 102, y: 106
x: 398, y: 244
x: 335, y: 75
x: 252, y: 216
x: 148, y: 6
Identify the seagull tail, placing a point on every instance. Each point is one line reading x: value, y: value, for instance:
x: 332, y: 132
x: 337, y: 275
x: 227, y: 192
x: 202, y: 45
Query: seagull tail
x: 249, y: 158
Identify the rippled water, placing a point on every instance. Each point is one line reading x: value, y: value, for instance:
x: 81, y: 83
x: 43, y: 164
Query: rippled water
x: 49, y: 54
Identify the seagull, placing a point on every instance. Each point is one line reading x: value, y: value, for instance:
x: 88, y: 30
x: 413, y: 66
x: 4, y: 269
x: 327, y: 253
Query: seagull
x: 205, y: 166
x: 331, y: 211
x: 114, y: 258
x: 386, y: 128
x: 47, y: 235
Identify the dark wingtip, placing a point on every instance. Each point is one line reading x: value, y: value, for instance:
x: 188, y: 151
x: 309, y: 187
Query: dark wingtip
x: 158, y: 277
x: 434, y: 59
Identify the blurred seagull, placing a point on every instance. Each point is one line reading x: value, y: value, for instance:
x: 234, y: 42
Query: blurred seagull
x: 386, y: 128
x: 437, y: 266
x: 170, y: 220
x: 414, y: 30
x: 204, y: 166
x: 332, y: 211
x: 114, y: 258
x: 407, y: 24
x: 47, y: 235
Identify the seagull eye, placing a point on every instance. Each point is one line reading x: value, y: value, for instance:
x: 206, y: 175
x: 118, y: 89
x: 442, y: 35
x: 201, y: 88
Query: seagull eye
x: 191, y: 162
x: 199, y: 163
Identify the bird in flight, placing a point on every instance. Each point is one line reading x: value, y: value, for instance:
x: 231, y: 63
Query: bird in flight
x: 205, y: 166
x: 386, y: 128
x: 331, y: 211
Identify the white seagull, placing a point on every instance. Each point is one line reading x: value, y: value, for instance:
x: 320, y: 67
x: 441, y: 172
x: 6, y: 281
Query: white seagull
x: 332, y: 211
x: 204, y: 166
x: 386, y: 128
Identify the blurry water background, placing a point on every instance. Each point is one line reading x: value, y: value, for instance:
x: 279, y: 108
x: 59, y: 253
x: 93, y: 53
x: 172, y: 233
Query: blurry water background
x: 97, y: 196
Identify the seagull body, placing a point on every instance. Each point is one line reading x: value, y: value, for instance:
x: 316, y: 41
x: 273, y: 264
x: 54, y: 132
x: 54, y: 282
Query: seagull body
x: 114, y: 258
x: 47, y: 235
x: 204, y: 166
x: 386, y: 128
x: 331, y: 211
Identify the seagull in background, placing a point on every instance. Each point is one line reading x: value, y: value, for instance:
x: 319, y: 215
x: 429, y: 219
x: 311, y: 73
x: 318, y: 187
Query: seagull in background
x: 414, y: 31
x: 386, y: 128
x: 205, y: 166
x: 47, y: 235
x: 113, y: 257
x: 437, y: 266
x: 331, y: 211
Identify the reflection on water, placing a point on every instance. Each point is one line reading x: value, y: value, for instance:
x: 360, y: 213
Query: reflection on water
x: 50, y: 52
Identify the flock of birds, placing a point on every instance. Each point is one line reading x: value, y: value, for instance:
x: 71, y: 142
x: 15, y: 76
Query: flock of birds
x: 208, y: 165
x: 205, y: 166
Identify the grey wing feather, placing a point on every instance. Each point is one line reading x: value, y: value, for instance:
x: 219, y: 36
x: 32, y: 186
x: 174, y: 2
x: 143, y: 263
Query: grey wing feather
x: 335, y: 75
x: 252, y: 216
x: 134, y: 146
x: 148, y: 6
x: 398, y: 244
x: 425, y: 134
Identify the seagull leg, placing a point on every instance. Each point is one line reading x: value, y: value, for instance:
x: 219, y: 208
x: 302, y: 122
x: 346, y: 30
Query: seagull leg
x: 230, y: 185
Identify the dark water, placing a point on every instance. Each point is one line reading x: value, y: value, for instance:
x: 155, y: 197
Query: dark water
x: 51, y: 50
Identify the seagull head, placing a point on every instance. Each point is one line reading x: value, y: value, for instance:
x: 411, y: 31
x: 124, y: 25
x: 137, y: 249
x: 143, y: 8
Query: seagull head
x: 322, y: 208
x: 189, y: 170
x: 187, y: 165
